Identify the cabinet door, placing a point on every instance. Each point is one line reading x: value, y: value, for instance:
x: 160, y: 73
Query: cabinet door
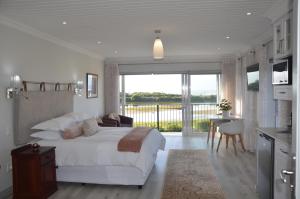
x: 287, y: 22
x: 26, y: 177
x: 278, y: 39
x: 49, y: 177
x: 282, y: 161
x: 283, y: 36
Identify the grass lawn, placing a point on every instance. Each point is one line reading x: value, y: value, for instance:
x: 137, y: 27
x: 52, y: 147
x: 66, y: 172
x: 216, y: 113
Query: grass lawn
x: 201, y: 125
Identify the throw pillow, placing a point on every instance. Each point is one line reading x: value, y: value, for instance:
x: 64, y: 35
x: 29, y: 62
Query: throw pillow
x: 90, y: 127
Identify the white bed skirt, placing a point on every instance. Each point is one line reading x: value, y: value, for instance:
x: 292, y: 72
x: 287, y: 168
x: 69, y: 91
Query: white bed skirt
x: 113, y: 175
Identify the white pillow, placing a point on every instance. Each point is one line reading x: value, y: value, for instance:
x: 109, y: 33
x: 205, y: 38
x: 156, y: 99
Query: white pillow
x: 78, y: 117
x: 56, y: 124
x: 47, y: 135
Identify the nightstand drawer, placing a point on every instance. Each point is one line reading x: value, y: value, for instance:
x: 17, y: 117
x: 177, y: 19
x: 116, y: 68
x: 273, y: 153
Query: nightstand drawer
x: 47, y: 157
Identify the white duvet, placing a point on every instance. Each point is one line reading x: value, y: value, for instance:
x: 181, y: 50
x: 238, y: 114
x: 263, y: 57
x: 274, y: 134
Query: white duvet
x: 102, y: 149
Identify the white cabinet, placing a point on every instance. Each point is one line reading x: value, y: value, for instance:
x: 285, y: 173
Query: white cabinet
x: 283, y: 92
x: 283, y: 36
x: 282, y: 160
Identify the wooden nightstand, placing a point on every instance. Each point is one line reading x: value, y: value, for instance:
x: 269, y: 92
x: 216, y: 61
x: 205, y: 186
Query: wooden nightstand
x: 34, y: 172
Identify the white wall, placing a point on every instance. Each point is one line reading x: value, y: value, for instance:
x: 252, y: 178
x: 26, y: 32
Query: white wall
x: 258, y: 108
x: 39, y: 60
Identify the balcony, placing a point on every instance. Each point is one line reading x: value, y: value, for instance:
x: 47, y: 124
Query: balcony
x: 169, y: 117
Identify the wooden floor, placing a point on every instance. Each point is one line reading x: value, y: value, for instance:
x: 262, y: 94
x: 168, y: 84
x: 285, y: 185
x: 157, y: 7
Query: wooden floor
x: 237, y: 175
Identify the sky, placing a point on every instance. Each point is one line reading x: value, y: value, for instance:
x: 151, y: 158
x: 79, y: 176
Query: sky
x: 252, y: 77
x: 200, y: 84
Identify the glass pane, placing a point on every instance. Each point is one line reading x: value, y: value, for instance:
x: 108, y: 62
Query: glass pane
x: 288, y: 34
x: 288, y: 26
x: 154, y: 101
x: 278, y: 39
x: 204, y: 95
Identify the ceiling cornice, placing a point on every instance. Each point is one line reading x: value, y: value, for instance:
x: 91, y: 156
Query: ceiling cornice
x: 29, y: 30
x: 278, y: 9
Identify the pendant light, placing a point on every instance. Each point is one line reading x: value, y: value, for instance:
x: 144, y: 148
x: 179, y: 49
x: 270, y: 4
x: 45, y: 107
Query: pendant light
x: 158, y: 48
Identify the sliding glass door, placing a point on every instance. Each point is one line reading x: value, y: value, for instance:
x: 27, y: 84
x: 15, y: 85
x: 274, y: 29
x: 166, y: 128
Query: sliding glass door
x: 170, y: 102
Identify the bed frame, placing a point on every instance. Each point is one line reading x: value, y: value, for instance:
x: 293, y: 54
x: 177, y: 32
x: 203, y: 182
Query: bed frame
x: 39, y: 106
x: 33, y: 107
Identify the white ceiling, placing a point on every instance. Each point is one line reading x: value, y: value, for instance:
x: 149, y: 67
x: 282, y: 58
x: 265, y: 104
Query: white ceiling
x: 189, y: 27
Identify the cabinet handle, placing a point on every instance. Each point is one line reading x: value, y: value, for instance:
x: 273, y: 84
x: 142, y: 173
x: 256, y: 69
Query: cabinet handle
x: 283, y: 151
x: 282, y: 92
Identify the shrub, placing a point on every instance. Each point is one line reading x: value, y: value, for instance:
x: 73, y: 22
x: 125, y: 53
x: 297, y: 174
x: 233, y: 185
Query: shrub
x: 202, y: 125
x: 172, y: 127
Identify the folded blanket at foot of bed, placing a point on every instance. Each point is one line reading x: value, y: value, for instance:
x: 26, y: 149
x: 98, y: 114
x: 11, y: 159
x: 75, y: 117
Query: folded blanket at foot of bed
x: 133, y: 141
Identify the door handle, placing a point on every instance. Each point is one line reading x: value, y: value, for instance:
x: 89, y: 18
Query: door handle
x: 285, y: 173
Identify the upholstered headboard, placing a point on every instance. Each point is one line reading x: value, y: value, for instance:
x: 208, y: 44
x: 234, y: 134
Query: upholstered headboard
x: 36, y: 107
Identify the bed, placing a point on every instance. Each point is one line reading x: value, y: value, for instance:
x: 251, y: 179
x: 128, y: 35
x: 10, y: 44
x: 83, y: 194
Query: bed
x: 96, y: 159
x: 93, y: 159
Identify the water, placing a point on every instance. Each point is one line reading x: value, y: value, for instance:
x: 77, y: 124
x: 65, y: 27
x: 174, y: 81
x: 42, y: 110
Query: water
x: 168, y: 112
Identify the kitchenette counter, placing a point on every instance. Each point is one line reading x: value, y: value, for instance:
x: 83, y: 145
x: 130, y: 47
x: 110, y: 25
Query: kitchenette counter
x: 281, y: 135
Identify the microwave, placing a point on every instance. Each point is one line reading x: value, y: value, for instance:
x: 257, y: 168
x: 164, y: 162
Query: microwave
x: 282, y: 72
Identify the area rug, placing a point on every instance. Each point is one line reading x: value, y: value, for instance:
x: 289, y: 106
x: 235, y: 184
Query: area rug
x: 190, y: 175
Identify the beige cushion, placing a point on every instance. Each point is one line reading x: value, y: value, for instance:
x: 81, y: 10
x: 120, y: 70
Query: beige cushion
x: 90, y: 127
x: 114, y: 116
x: 73, y: 131
x: 99, y: 120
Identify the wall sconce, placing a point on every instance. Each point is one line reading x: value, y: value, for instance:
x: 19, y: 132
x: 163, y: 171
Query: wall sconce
x: 78, y: 88
x: 15, y: 87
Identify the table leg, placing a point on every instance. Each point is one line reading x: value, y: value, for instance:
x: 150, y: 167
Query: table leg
x: 209, y: 130
x: 234, y: 144
x: 220, y: 140
x: 242, y: 142
x: 213, y: 135
x: 227, y: 139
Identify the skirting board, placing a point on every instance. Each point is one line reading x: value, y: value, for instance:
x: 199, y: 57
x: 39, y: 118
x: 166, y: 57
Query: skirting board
x: 6, y: 193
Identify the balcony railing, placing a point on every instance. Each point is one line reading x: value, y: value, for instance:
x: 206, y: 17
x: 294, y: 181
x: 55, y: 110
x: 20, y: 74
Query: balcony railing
x: 168, y: 117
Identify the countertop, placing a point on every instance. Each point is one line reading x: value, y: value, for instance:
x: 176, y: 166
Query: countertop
x: 282, y: 135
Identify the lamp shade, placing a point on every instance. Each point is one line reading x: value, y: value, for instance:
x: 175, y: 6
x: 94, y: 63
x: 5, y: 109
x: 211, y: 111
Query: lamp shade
x: 158, y: 49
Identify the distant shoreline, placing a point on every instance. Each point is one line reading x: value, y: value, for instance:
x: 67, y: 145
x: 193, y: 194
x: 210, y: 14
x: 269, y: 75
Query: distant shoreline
x: 164, y: 98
